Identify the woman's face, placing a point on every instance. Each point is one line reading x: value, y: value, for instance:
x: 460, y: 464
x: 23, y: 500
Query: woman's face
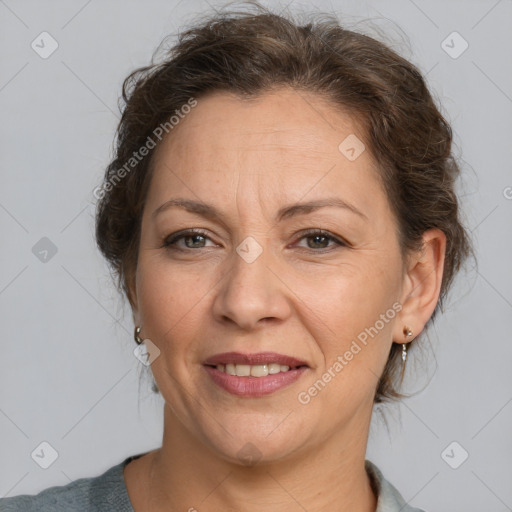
x: 256, y: 281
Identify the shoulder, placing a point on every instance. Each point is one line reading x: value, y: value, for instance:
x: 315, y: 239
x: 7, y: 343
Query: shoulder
x: 101, y: 493
x: 388, y: 497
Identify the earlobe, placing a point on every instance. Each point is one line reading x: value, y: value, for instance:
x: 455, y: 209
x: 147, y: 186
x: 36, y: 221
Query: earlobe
x: 422, y: 284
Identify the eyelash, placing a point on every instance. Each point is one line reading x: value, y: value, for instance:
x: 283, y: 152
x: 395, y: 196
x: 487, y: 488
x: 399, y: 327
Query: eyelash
x: 170, y: 241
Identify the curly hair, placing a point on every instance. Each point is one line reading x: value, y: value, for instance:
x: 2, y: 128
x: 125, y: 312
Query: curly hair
x: 249, y: 53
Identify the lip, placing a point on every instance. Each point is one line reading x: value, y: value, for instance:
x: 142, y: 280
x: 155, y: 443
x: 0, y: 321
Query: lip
x: 253, y: 359
x: 253, y: 387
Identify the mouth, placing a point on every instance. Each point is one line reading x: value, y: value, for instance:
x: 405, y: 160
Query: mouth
x: 257, y: 365
x: 253, y: 375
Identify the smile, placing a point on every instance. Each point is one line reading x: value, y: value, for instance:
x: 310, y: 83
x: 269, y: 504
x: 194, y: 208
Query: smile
x: 254, y: 375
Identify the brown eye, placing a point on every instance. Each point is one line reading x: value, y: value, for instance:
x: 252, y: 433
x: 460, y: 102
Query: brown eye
x: 319, y: 240
x: 192, y: 240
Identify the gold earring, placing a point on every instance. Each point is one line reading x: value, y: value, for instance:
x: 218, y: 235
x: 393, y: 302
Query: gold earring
x: 136, y: 336
x: 404, y: 353
x: 407, y: 333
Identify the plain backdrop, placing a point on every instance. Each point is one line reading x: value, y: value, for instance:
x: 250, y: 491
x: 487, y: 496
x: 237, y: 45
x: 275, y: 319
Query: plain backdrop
x: 68, y: 376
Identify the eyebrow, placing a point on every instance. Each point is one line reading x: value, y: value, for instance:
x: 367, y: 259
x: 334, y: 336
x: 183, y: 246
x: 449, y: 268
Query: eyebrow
x: 209, y: 211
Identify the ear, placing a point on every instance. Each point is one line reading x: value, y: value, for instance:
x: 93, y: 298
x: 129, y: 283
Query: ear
x: 422, y: 285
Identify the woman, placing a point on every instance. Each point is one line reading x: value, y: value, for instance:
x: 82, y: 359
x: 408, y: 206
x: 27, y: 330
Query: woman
x: 281, y: 216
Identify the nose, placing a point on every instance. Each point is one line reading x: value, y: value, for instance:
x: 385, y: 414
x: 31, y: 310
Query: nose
x: 252, y: 293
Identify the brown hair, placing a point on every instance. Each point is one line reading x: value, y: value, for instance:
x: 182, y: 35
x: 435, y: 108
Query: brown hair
x: 248, y: 53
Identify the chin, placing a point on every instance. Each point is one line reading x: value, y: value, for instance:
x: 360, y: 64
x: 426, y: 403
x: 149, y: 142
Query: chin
x: 256, y: 445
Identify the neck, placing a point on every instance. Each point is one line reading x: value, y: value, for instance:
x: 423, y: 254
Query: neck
x: 188, y: 476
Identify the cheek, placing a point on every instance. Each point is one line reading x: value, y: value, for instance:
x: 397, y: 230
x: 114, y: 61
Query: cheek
x: 169, y: 299
x: 354, y: 337
x: 346, y: 300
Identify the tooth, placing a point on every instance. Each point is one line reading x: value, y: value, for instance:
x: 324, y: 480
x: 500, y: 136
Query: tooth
x: 243, y: 370
x: 274, y: 368
x: 259, y: 370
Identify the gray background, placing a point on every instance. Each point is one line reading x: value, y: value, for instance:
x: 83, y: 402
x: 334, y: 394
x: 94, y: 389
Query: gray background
x: 68, y: 373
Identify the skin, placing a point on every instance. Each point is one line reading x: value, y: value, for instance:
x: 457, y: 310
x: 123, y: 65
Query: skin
x: 303, y: 296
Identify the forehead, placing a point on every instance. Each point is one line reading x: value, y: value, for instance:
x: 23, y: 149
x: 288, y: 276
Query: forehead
x: 279, y: 119
x: 283, y: 142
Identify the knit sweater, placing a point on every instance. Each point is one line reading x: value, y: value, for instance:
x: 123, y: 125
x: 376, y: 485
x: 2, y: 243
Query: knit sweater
x: 107, y: 493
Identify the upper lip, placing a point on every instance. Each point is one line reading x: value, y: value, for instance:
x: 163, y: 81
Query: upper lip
x: 254, y: 359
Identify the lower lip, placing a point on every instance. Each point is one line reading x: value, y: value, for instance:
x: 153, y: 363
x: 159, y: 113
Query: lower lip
x: 254, y: 386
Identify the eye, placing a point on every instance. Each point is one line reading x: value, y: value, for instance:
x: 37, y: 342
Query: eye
x: 320, y: 239
x: 197, y: 240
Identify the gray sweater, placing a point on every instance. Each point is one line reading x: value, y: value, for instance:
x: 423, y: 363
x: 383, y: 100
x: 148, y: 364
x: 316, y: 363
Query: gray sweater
x: 107, y: 493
